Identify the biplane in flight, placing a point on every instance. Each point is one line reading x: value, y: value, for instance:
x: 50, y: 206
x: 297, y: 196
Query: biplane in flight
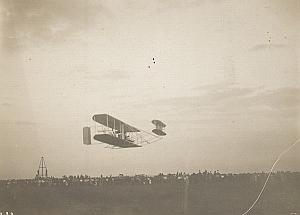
x: 118, y: 134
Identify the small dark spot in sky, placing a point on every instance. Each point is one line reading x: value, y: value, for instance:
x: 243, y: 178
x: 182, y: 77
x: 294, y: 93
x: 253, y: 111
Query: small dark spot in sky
x: 269, y: 37
x: 29, y: 58
x: 152, y: 62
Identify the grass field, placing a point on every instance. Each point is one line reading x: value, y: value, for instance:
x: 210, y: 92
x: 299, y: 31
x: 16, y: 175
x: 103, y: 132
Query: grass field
x: 155, y: 199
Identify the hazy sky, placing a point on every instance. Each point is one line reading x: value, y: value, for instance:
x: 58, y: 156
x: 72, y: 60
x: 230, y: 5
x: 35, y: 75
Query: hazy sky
x: 225, y: 81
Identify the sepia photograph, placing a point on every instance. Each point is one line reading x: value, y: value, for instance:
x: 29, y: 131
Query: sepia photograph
x: 138, y: 107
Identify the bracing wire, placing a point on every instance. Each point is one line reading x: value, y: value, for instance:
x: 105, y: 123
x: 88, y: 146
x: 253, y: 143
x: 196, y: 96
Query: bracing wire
x: 271, y: 170
x: 153, y: 138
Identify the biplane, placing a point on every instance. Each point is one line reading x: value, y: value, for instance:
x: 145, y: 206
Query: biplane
x: 118, y: 134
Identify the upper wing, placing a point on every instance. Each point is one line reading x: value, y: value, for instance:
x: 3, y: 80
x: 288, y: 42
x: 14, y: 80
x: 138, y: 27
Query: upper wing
x: 114, y: 123
x: 159, y: 123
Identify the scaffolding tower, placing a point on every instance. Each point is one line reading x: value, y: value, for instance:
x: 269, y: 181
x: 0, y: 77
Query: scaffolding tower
x: 42, y: 171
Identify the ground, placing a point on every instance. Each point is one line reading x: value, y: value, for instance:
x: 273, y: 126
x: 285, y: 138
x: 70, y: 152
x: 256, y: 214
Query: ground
x: 178, y: 198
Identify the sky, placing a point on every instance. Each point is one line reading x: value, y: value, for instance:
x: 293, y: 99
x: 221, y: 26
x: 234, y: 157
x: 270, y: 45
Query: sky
x: 225, y: 81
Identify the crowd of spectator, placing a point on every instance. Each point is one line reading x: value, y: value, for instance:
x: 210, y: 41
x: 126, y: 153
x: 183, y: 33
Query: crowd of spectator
x: 194, y: 178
